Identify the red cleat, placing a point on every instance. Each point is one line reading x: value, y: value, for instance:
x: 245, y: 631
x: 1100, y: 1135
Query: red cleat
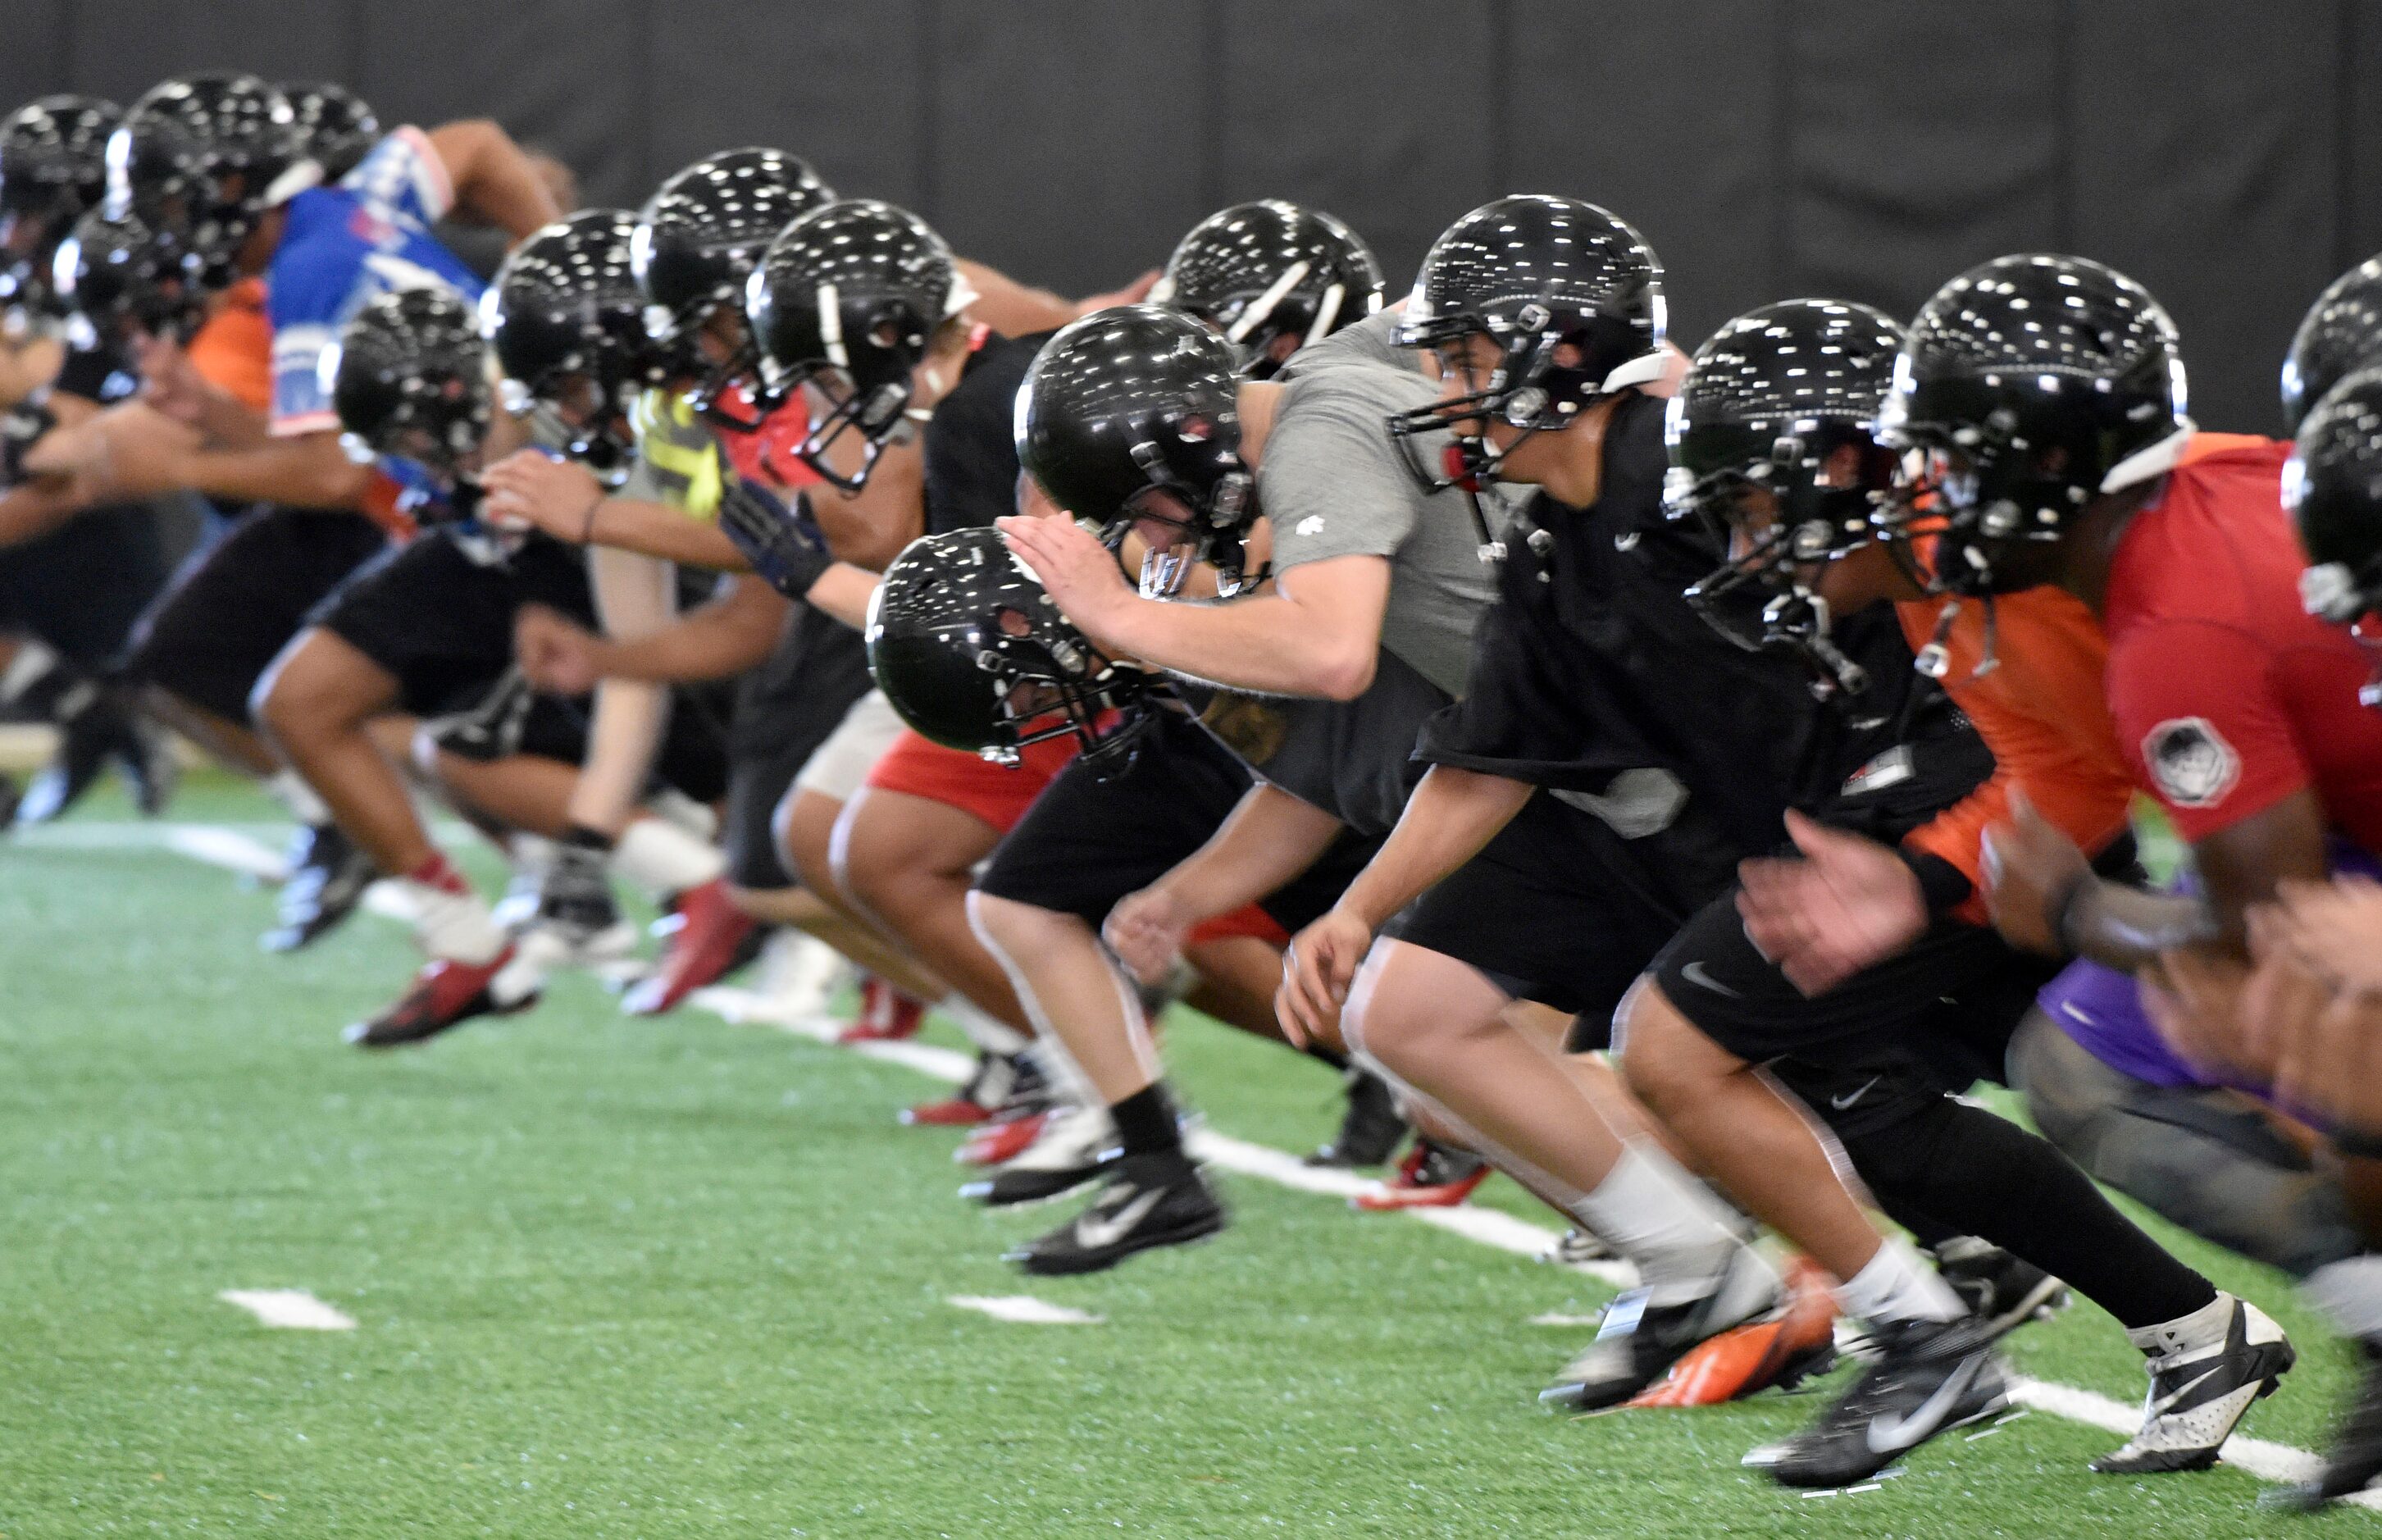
x: 706, y: 940
x: 1431, y: 1177
x: 1790, y: 1346
x: 445, y: 994
x: 886, y: 1014
x: 951, y: 1112
x: 999, y: 1143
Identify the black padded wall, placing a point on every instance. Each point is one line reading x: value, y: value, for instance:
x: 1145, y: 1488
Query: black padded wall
x: 2228, y: 154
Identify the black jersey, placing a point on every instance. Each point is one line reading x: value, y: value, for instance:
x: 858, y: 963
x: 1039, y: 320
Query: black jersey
x: 971, y: 448
x: 1353, y: 758
x: 1592, y: 667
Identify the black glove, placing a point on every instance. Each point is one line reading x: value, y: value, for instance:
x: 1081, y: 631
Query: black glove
x: 20, y: 429
x: 782, y: 543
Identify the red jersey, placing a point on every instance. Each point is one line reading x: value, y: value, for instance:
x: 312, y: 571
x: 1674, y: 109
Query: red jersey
x: 2227, y: 694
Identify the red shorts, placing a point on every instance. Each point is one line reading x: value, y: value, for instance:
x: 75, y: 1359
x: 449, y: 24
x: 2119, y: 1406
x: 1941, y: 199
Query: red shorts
x: 998, y: 794
x: 1247, y: 920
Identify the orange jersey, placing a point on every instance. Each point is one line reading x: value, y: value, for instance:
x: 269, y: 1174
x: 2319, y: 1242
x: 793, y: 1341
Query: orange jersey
x: 233, y: 351
x: 2041, y: 712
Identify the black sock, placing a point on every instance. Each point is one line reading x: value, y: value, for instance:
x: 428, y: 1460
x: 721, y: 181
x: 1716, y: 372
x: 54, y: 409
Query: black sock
x: 1144, y: 1122
x: 584, y: 838
x: 1984, y: 1175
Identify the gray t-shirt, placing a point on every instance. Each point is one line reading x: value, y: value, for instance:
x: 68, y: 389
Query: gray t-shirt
x: 1332, y: 483
x: 1370, y: 340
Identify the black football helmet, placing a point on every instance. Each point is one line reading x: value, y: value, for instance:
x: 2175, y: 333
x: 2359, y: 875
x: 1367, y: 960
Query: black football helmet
x: 567, y: 326
x: 117, y: 271
x: 52, y: 168
x: 1534, y: 275
x: 2341, y: 333
x: 846, y: 299
x: 1784, y: 401
x: 972, y: 653
x: 1263, y: 271
x: 699, y: 238
x: 2332, y: 486
x: 1132, y: 414
x: 203, y: 157
x: 2033, y: 385
x: 336, y: 128
x: 409, y: 379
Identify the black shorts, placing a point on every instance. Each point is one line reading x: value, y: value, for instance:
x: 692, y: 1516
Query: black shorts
x: 82, y: 586
x: 440, y: 620
x: 1936, y: 1017
x: 1087, y: 843
x: 232, y: 608
x: 785, y: 708
x: 692, y: 758
x: 1560, y: 909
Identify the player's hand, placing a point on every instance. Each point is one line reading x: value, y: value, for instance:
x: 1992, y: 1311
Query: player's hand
x: 1849, y: 902
x: 2195, y: 1000
x: 2032, y: 868
x: 1317, y: 968
x: 556, y: 654
x: 530, y: 490
x: 1146, y: 931
x: 135, y: 454
x: 2333, y: 928
x: 1130, y: 294
x: 1074, y: 568
x: 169, y: 381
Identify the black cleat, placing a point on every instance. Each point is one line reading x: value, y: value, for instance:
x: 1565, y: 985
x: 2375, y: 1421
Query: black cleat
x: 93, y: 725
x: 11, y: 794
x: 327, y: 879
x: 2195, y: 1399
x: 1999, y: 1289
x: 1370, y: 1129
x: 1150, y: 1200
x: 150, y: 766
x: 1930, y: 1377
x: 1638, y: 1342
x: 1071, y: 1150
x: 2355, y: 1458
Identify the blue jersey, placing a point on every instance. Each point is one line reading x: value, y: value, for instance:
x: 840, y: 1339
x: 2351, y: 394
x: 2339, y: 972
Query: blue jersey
x: 343, y: 246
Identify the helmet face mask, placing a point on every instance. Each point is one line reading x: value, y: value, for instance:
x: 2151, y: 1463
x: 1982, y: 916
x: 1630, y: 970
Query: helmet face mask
x: 1568, y: 302
x: 973, y: 654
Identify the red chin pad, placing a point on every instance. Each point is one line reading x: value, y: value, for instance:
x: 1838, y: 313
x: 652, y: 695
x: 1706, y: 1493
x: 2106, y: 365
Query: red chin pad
x: 1457, y: 469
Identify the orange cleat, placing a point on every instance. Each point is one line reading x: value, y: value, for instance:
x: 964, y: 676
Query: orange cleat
x: 999, y: 1143
x: 1784, y: 1351
x: 708, y: 937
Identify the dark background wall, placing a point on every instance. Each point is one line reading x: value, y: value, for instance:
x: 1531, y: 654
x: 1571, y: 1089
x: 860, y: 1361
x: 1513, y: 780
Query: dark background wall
x: 2227, y: 153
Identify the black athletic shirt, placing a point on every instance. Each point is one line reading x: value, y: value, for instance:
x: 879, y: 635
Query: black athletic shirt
x: 1592, y: 664
x: 971, y: 449
x: 1352, y: 759
x: 96, y: 371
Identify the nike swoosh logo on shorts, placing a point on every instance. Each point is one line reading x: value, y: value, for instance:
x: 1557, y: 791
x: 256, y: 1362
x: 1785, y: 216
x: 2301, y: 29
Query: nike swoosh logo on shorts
x: 1841, y: 1103
x: 1094, y: 1233
x: 1888, y: 1434
x: 1697, y: 974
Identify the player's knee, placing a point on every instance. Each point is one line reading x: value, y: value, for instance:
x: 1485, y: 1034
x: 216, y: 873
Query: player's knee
x: 1656, y: 1048
x: 1022, y: 930
x: 804, y: 825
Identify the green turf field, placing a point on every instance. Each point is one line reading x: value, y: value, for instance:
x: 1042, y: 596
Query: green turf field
x: 681, y: 1278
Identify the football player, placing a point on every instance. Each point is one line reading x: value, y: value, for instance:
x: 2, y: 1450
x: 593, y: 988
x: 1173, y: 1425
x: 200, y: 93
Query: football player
x: 1756, y: 974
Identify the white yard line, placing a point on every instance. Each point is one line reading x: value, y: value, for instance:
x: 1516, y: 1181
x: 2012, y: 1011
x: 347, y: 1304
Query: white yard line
x: 289, y: 1309
x: 1025, y: 1309
x: 1491, y: 1228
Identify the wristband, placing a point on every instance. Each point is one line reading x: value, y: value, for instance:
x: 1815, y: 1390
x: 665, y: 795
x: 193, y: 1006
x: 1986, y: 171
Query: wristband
x: 587, y: 525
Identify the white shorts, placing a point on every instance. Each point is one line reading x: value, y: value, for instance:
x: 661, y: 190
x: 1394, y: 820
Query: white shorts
x: 843, y: 762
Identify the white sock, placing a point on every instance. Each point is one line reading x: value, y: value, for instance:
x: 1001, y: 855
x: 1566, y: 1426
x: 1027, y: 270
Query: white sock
x: 1896, y: 1286
x: 983, y: 1028
x: 290, y: 790
x: 456, y: 926
x: 661, y: 859
x: 2349, y: 1291
x: 33, y: 659
x: 2186, y: 1334
x: 1651, y: 1210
